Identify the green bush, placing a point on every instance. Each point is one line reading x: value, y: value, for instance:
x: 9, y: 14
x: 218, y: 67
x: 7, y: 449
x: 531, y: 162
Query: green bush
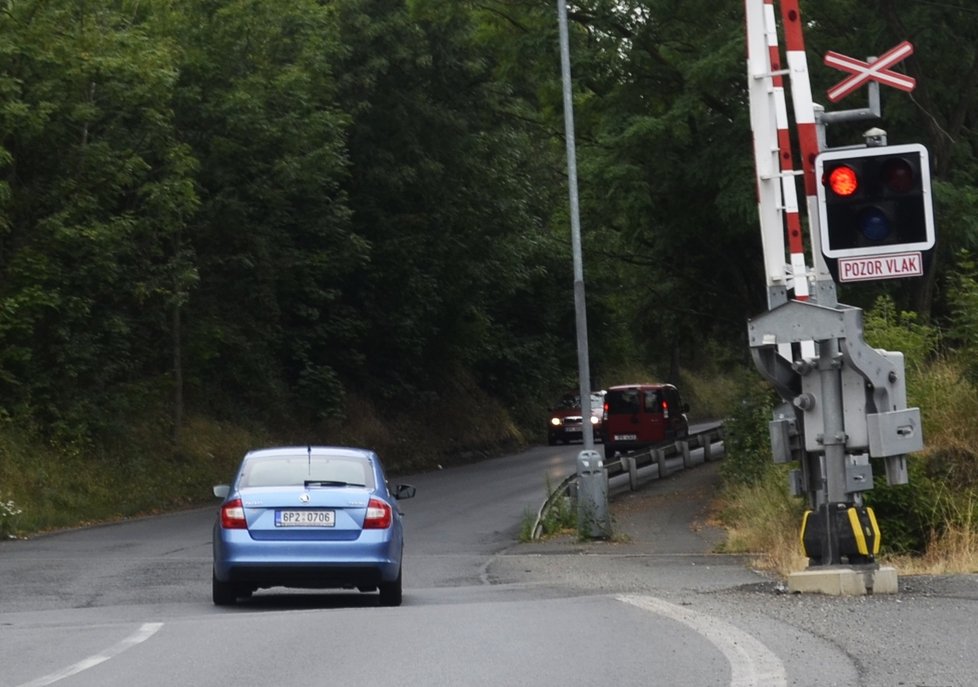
x: 943, y: 487
x: 747, y: 441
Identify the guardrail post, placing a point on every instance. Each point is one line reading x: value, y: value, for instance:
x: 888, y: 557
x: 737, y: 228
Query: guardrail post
x: 632, y: 472
x: 684, y: 445
x: 660, y: 459
x: 708, y: 448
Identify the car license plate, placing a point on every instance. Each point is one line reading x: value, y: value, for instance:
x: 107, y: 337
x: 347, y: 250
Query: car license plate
x: 305, y: 518
x: 625, y: 437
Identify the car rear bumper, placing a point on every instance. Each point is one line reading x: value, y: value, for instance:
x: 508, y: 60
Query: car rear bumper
x: 304, y: 576
x: 308, y: 564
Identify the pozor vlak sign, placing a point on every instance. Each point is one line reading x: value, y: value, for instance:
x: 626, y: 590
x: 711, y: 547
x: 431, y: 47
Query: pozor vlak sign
x: 875, y: 211
x: 884, y: 267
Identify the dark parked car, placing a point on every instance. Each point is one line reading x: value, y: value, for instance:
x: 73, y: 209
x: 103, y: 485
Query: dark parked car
x: 311, y: 517
x: 566, y: 418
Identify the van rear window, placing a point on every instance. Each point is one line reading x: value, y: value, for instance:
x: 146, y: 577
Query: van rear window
x: 633, y: 401
x: 623, y: 401
x: 653, y: 404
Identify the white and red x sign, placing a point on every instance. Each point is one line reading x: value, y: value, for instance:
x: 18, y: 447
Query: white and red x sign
x: 863, y: 72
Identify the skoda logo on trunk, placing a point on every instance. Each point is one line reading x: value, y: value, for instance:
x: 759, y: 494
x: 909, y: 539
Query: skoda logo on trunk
x: 304, y: 498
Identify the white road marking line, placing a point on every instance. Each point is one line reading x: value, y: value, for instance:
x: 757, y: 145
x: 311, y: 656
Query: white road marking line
x: 751, y: 663
x: 137, y: 637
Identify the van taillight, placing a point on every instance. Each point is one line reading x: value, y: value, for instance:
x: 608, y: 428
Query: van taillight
x: 605, y: 416
x: 665, y: 409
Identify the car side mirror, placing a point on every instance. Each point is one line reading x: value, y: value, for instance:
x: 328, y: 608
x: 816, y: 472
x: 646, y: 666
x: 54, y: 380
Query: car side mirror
x: 403, y: 491
x: 221, y: 491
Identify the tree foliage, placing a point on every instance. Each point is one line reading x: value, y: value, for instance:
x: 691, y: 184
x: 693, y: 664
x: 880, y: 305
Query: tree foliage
x: 262, y: 208
x: 96, y: 185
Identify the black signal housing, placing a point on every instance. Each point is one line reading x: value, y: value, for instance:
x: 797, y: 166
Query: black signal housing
x: 874, y: 201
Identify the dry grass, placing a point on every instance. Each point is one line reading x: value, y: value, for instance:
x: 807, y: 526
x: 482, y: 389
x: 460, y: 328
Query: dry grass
x: 770, y: 533
x: 953, y: 552
x: 949, y: 405
x: 763, y: 521
x: 137, y: 474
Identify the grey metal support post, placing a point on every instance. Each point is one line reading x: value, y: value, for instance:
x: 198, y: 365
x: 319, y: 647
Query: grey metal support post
x: 592, y: 496
x: 834, y: 441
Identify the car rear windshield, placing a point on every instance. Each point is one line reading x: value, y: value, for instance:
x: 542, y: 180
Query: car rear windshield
x: 281, y: 471
x: 632, y: 400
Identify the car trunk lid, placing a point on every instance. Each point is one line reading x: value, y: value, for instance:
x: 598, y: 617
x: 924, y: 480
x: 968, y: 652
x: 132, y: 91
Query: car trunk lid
x: 310, y: 513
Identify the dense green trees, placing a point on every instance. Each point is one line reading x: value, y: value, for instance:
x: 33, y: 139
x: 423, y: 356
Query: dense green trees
x: 97, y: 187
x: 272, y: 240
x: 256, y: 209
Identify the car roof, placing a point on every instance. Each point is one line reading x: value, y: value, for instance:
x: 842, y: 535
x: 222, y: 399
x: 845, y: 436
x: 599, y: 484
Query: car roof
x: 284, y: 451
x: 646, y: 385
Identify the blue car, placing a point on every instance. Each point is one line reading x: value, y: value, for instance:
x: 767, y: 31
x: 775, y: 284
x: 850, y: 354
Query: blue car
x: 316, y: 517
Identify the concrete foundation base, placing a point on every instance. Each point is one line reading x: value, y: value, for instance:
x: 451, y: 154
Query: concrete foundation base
x: 844, y: 581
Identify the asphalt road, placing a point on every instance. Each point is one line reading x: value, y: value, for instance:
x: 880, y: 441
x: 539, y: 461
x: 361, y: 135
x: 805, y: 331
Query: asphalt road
x: 130, y: 604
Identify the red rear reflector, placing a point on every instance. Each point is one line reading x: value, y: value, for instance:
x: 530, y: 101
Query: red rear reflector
x: 232, y: 515
x: 379, y: 515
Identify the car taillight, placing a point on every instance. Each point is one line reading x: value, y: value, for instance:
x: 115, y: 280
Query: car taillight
x: 232, y: 515
x: 379, y: 515
x: 665, y: 409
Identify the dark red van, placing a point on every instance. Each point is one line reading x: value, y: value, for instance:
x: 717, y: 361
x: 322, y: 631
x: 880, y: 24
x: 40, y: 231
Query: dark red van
x: 638, y: 416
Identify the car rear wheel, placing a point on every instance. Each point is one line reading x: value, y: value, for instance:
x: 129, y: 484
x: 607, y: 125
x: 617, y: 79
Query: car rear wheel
x: 390, y: 592
x: 223, y: 593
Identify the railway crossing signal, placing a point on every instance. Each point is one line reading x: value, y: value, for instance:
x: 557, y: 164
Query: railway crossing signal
x: 875, y: 210
x: 844, y: 402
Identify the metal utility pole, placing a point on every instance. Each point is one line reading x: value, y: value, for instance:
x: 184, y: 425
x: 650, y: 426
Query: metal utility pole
x: 593, y: 517
x: 580, y: 304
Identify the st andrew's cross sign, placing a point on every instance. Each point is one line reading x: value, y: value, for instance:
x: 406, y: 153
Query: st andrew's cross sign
x: 864, y: 72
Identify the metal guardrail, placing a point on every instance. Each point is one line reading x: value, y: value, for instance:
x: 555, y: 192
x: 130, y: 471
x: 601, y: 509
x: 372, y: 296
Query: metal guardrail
x: 653, y: 463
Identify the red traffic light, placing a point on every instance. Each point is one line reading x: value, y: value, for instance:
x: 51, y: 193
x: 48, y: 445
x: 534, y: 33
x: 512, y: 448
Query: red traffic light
x: 843, y: 180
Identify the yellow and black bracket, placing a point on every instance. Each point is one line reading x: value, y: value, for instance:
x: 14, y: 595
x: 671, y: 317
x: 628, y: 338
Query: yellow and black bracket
x: 854, y: 529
